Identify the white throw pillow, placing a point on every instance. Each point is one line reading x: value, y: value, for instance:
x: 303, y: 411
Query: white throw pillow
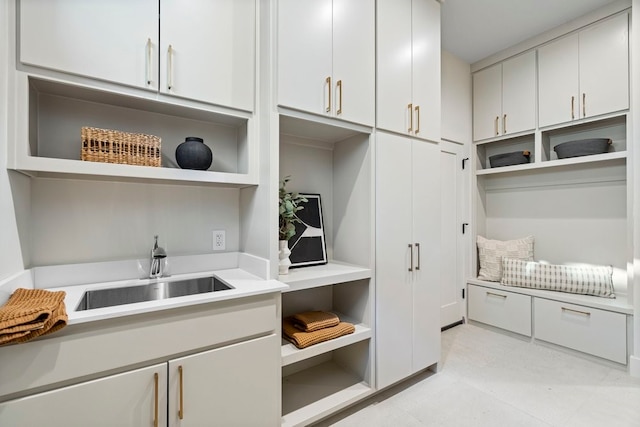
x: 490, y: 253
x: 576, y: 279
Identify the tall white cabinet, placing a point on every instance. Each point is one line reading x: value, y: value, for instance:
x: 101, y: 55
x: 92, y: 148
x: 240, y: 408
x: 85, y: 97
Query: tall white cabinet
x: 407, y: 257
x: 408, y: 67
x: 326, y: 57
x: 585, y: 74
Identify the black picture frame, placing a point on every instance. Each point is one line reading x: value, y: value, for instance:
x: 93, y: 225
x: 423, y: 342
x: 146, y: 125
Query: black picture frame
x: 308, y: 245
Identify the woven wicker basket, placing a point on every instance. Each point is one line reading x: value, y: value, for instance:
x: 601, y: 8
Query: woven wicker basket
x: 112, y: 146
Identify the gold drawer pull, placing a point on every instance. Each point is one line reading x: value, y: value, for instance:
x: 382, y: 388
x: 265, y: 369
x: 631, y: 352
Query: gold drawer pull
x: 410, y: 108
x: 328, y: 82
x: 584, y: 313
x: 181, y: 409
x: 155, y: 406
x: 497, y: 295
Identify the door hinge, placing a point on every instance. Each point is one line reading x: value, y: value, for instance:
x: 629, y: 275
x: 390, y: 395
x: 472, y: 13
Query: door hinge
x: 463, y: 294
x: 463, y: 162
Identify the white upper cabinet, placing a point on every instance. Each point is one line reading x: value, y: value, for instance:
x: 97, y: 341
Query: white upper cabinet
x: 408, y: 67
x: 207, y: 50
x: 198, y: 49
x: 92, y: 38
x: 585, y: 74
x: 326, y: 57
x: 504, y: 98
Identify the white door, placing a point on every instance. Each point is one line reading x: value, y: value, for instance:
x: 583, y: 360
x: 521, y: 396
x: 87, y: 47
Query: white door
x: 354, y: 60
x: 207, y: 50
x: 604, y: 67
x: 426, y: 239
x: 113, y: 40
x: 426, y: 69
x: 131, y: 399
x: 234, y: 385
x: 393, y: 69
x: 519, y: 94
x: 452, y: 249
x: 487, y: 102
x: 304, y: 55
x: 558, y: 82
x: 394, y: 281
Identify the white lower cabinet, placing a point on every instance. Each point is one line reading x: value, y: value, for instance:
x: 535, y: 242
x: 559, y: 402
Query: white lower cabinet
x: 501, y: 309
x: 598, y: 332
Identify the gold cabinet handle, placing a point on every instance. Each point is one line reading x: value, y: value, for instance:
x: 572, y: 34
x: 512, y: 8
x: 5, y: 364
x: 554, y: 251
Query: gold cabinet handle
x: 410, y: 108
x: 504, y: 124
x: 170, y: 67
x: 418, y: 248
x: 584, y: 313
x: 573, y: 102
x: 339, y: 84
x: 155, y: 398
x: 411, y: 264
x: 417, y: 123
x: 148, y: 62
x: 584, y: 105
x: 496, y: 125
x: 328, y: 82
x: 181, y: 409
x: 496, y: 295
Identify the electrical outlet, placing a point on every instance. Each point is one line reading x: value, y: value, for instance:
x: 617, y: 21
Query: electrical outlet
x: 219, y: 243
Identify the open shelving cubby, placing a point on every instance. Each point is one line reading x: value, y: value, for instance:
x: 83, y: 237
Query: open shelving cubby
x: 53, y: 112
x: 332, y: 159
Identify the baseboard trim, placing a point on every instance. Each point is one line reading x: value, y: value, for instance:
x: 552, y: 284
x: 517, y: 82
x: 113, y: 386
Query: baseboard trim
x: 634, y: 366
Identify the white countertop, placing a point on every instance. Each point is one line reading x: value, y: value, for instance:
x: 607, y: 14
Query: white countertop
x: 244, y: 285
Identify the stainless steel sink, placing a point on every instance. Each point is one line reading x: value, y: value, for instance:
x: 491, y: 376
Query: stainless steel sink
x: 153, y: 291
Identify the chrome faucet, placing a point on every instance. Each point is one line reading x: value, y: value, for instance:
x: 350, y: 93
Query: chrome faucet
x: 157, y: 261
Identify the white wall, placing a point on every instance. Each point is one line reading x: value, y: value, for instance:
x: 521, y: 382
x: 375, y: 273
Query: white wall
x: 456, y: 99
x: 11, y: 260
x: 635, y: 182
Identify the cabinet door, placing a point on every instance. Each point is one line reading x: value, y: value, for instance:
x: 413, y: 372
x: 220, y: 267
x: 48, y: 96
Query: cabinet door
x: 128, y: 400
x: 394, y: 64
x: 487, y: 102
x: 114, y: 40
x: 426, y: 69
x: 558, y: 82
x: 394, y: 283
x: 519, y: 94
x: 425, y: 158
x: 236, y: 385
x: 212, y: 56
x: 604, y: 67
x: 354, y: 60
x: 304, y: 54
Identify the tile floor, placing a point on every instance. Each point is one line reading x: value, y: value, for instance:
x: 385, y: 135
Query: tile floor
x: 487, y: 378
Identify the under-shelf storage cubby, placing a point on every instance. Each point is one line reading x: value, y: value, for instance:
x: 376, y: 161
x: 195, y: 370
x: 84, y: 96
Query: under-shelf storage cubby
x: 49, y: 143
x: 517, y: 144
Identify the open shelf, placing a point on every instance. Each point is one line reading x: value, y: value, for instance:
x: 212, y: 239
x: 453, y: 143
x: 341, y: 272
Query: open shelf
x: 619, y: 156
x: 318, y: 391
x: 321, y: 275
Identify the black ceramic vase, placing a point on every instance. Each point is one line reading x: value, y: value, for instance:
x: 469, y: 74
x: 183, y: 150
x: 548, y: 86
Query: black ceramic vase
x: 193, y: 153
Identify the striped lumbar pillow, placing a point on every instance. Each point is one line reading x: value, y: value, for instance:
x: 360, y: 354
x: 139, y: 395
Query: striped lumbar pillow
x: 585, y: 280
x: 491, y: 252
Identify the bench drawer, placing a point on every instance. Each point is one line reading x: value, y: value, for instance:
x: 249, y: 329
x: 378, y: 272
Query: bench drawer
x: 598, y: 332
x: 501, y: 309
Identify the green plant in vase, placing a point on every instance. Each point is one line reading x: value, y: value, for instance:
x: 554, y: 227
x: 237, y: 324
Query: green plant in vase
x: 290, y: 203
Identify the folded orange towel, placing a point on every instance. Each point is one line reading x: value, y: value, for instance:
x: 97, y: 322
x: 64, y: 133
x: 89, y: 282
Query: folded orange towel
x: 305, y: 339
x: 30, y: 313
x: 310, y: 321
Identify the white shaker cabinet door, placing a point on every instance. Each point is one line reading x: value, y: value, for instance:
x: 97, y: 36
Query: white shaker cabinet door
x: 394, y: 63
x: 236, y: 385
x: 604, y: 67
x: 394, y: 281
x: 131, y: 399
x: 354, y: 60
x: 304, y: 55
x: 207, y: 50
x: 487, y: 102
x: 558, y: 65
x: 426, y: 69
x: 519, y: 94
x: 425, y: 158
x: 114, y: 40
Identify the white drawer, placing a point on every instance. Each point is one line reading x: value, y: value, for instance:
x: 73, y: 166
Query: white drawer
x: 597, y: 332
x: 501, y: 309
